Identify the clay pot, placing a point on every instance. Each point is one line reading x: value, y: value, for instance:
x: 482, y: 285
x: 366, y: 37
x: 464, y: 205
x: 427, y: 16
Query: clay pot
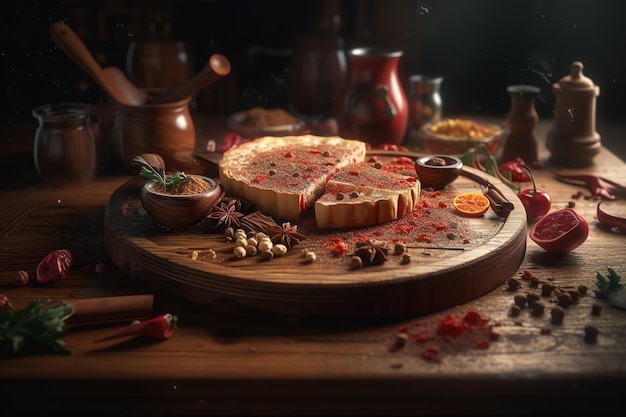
x: 166, y: 129
x: 178, y: 212
x: 374, y: 107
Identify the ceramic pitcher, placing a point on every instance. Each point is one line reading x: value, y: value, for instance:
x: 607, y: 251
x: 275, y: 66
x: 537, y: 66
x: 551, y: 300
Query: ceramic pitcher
x: 374, y: 106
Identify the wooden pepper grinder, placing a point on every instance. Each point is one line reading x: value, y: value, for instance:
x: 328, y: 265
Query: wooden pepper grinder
x: 522, y: 119
x: 573, y: 140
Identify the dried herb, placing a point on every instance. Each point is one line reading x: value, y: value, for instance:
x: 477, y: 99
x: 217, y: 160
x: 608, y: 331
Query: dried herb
x: 37, y: 328
x: 156, y: 171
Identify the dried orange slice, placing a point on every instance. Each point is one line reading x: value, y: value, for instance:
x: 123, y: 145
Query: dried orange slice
x: 471, y: 204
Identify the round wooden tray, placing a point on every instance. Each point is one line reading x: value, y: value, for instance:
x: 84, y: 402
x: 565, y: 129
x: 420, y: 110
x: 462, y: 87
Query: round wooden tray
x: 457, y: 260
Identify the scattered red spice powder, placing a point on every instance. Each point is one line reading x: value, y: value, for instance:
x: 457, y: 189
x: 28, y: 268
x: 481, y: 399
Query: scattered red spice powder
x: 435, y: 336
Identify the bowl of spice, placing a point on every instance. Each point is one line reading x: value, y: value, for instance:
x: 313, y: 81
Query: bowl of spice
x: 438, y: 171
x: 258, y: 121
x: 455, y: 136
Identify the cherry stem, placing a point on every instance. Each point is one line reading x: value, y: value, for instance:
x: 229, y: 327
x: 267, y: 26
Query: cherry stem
x: 532, y: 178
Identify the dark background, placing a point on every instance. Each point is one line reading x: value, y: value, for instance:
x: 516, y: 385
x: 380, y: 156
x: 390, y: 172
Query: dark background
x: 479, y: 46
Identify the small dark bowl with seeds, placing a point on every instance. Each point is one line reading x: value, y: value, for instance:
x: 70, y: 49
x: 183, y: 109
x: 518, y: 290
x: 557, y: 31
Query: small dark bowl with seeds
x: 438, y: 171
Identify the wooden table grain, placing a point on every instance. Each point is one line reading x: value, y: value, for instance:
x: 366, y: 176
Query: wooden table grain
x: 218, y: 363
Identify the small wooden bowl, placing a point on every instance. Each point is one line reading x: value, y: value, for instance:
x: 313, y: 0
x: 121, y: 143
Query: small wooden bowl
x: 438, y: 171
x: 177, y: 212
x: 460, y: 141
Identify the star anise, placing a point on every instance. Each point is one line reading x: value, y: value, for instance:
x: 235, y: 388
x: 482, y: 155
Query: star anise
x: 227, y: 213
x: 286, y: 233
x: 372, y: 252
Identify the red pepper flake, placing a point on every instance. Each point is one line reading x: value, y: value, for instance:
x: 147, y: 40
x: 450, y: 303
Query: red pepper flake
x: 426, y: 204
x: 443, y: 204
x: 435, y: 194
x: 404, y: 228
x: 466, y: 241
x: 424, y: 238
x: 289, y: 155
x: 474, y: 318
x: 545, y: 330
x: 259, y: 179
x: 441, y: 226
x: 425, y: 336
x: 430, y: 354
x: 314, y: 168
x: 452, y: 326
x: 527, y: 275
x: 577, y: 196
x: 339, y: 248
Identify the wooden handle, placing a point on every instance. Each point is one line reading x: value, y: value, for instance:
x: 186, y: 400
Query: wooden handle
x: 217, y: 67
x: 70, y: 43
x: 111, y: 309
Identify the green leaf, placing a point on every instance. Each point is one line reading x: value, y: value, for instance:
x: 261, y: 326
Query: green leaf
x: 607, y: 284
x: 149, y: 172
x: 37, y: 328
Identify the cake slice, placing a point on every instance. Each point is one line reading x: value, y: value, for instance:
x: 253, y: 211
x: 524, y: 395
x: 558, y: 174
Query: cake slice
x: 283, y: 176
x: 362, y: 195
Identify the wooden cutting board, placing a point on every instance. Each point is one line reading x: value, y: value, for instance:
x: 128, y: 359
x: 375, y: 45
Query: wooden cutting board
x: 454, y: 259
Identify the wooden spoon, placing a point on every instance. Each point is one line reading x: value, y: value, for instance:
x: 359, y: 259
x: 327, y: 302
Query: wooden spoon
x: 217, y: 67
x: 111, y: 79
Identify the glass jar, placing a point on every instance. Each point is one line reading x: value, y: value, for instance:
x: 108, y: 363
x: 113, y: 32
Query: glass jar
x: 64, y: 149
x: 425, y: 104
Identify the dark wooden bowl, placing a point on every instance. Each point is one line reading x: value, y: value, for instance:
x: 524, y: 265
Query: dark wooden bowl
x: 177, y: 212
x: 438, y: 171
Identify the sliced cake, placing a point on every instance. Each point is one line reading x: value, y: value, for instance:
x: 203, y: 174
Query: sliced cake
x: 283, y: 176
x: 362, y: 195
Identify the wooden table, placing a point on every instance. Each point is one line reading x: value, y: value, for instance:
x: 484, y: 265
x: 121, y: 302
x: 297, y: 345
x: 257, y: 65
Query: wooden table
x: 219, y: 363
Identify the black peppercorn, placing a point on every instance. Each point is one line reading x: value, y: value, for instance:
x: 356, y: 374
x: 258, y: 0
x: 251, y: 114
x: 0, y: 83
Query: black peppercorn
x: 591, y: 334
x: 557, y: 314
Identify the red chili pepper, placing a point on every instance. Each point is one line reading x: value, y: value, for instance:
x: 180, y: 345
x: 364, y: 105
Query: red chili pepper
x: 231, y: 140
x: 160, y: 327
x: 516, y: 169
x: 536, y: 202
x: 594, y: 183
